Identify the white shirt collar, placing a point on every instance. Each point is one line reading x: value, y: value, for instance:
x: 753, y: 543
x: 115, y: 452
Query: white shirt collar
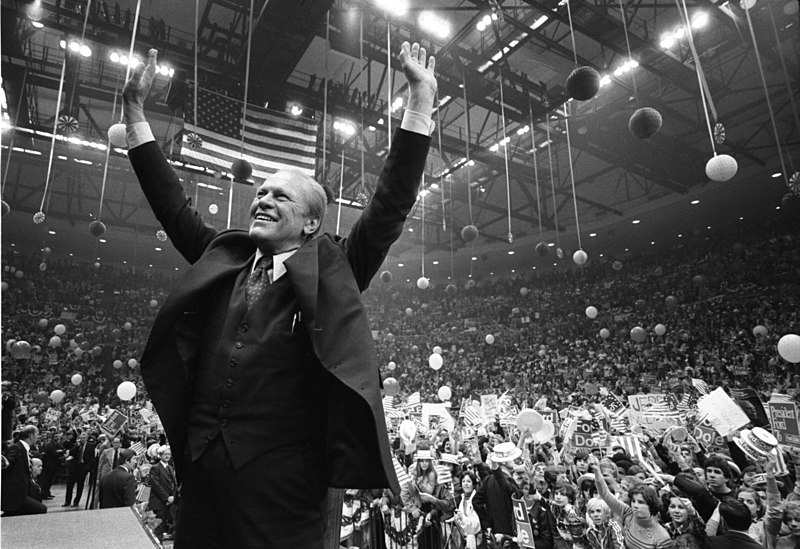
x: 278, y: 268
x: 26, y: 445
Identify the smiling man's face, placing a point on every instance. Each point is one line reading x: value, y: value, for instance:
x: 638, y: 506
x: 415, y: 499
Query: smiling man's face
x: 279, y: 215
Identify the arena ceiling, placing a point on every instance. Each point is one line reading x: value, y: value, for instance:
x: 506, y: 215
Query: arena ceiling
x: 501, y: 79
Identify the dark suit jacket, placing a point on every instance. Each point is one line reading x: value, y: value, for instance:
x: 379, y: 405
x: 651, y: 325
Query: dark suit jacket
x: 16, y: 477
x: 117, y: 489
x: 733, y: 540
x: 328, y: 274
x: 74, y: 465
x: 162, y: 486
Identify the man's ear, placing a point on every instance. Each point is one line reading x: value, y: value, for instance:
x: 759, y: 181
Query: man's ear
x: 311, y: 225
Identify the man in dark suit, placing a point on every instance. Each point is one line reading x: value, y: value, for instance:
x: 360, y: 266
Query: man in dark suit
x: 118, y: 487
x: 737, y: 518
x: 261, y: 363
x: 51, y: 459
x: 163, y: 492
x: 17, y: 476
x: 80, y: 461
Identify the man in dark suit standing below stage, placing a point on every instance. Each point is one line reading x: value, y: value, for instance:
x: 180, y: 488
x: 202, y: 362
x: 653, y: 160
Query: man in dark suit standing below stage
x: 80, y: 462
x: 261, y: 363
x: 117, y: 488
x: 17, y: 476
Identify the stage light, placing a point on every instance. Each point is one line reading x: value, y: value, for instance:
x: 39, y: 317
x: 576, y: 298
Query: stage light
x: 395, y: 7
x: 700, y: 20
x: 434, y: 24
x: 296, y: 110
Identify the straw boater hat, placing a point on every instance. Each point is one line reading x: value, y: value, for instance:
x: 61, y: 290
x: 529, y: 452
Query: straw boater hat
x: 423, y: 454
x: 760, y: 481
x: 757, y: 442
x: 505, y: 451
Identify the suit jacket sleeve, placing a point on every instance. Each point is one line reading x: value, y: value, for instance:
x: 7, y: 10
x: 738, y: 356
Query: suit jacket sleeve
x: 381, y: 222
x: 187, y: 230
x: 129, y: 490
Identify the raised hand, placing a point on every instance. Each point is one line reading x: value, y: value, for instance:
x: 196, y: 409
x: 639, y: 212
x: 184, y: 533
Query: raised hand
x: 137, y: 88
x: 419, y: 71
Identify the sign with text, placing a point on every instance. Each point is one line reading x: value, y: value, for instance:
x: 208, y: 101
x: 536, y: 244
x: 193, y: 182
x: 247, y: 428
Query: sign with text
x: 114, y: 422
x: 638, y: 404
x: 783, y: 417
x: 706, y: 435
x: 489, y: 408
x: 524, y: 529
x: 722, y: 412
x: 583, y: 435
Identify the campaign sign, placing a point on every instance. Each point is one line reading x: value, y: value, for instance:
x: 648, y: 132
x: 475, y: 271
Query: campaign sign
x: 783, y: 417
x: 637, y: 404
x: 706, y: 435
x: 582, y: 438
x: 114, y: 422
x: 524, y: 529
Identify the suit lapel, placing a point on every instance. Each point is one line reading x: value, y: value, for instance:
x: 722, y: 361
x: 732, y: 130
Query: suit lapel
x: 302, y: 270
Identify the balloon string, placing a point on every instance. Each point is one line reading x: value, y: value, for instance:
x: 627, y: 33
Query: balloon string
x: 441, y: 156
x: 14, y: 132
x: 55, y: 131
x: 572, y: 174
x: 628, y: 44
x: 466, y: 142
x: 572, y: 33
x: 130, y: 50
x: 785, y: 76
x: 108, y: 156
x: 341, y: 191
x: 705, y: 93
x: 535, y: 169
x: 452, y: 253
x: 247, y: 76
x: 422, y: 228
x: 325, y: 98
x: 389, y: 82
x: 552, y: 182
x: 766, y: 95
x: 196, y: 48
x: 505, y: 158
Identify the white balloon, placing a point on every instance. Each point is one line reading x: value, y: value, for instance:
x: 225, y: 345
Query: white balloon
x: 57, y: 396
x: 721, y: 167
x: 789, y: 348
x: 580, y: 257
x: 126, y: 390
x: 660, y: 329
x: 435, y: 361
x: 591, y: 311
x: 117, y: 364
x: 409, y: 311
x: 604, y: 333
x: 423, y: 283
x: 117, y: 135
x: 132, y: 363
x: 60, y: 329
x: 444, y: 393
x: 489, y: 339
x: 55, y: 341
x: 437, y: 350
x: 77, y: 379
x: 392, y: 366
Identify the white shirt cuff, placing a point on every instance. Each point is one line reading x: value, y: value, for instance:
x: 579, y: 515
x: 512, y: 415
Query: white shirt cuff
x: 417, y: 122
x: 138, y: 134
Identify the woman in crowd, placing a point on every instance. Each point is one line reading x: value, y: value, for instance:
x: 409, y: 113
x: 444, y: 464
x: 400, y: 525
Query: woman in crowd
x: 602, y: 532
x: 466, y: 518
x: 639, y: 524
x: 751, y: 498
x: 431, y: 502
x: 683, y: 524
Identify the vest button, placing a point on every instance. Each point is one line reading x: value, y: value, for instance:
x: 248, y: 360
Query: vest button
x: 244, y: 327
x: 229, y: 382
x: 226, y: 403
x: 239, y: 345
x: 234, y: 363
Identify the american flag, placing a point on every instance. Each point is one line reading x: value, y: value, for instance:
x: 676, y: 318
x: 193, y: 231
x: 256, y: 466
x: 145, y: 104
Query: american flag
x: 700, y: 385
x: 443, y: 474
x: 662, y: 410
x: 414, y: 399
x: 631, y: 445
x: 146, y: 414
x: 402, y: 475
x: 687, y: 403
x: 472, y: 416
x: 273, y: 140
x: 138, y: 447
x: 389, y: 409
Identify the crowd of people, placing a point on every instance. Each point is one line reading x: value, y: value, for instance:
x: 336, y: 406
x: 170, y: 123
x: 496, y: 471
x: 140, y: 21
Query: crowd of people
x: 530, y: 339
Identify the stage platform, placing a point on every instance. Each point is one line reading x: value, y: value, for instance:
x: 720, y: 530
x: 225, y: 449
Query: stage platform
x: 97, y: 529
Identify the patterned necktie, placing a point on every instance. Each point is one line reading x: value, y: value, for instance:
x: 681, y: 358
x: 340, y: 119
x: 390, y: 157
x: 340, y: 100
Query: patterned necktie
x: 258, y: 280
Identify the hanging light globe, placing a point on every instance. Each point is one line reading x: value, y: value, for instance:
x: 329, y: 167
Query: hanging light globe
x: 161, y: 235
x: 423, y: 283
x: 469, y: 233
x: 39, y: 217
x: 645, y: 122
x: 580, y: 257
x: 97, y: 228
x: 721, y: 167
x: 541, y: 249
x: 386, y: 277
x: 583, y: 83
